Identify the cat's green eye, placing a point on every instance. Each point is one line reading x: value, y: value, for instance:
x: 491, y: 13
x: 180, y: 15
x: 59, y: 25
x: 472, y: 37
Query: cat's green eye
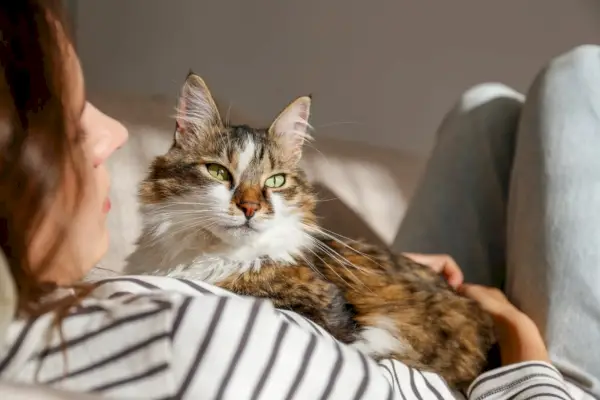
x: 275, y: 181
x: 219, y: 172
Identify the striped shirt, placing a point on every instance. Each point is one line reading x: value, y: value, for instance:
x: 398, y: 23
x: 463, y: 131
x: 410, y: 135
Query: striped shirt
x: 165, y: 338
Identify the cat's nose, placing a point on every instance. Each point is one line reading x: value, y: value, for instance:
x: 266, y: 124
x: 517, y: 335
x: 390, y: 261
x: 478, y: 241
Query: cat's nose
x: 249, y: 208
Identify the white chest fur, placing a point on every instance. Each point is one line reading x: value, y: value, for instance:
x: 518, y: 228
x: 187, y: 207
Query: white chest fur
x: 167, y: 248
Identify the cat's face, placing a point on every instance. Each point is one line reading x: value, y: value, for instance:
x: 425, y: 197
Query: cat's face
x: 235, y: 182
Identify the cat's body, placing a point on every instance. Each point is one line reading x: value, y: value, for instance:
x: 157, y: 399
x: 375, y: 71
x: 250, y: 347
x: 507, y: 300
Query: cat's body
x: 229, y: 205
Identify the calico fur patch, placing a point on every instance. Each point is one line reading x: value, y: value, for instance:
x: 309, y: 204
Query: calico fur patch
x: 230, y: 205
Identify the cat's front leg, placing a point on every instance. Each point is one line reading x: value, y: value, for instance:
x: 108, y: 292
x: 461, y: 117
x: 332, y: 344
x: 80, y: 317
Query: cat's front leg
x: 299, y: 289
x: 324, y: 305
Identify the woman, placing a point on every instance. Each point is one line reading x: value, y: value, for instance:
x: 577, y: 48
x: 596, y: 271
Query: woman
x: 174, y: 338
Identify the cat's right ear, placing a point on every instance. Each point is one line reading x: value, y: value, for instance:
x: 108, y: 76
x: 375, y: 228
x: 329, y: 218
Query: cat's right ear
x: 197, y: 113
x: 291, y: 128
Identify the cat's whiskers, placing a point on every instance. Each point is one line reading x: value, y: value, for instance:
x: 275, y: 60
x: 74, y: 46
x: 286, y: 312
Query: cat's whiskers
x: 160, y: 211
x: 311, y: 266
x: 308, y: 144
x: 311, y: 228
x: 330, y: 234
x: 188, y: 225
x: 176, y: 203
x: 198, y: 228
x: 178, y: 207
x: 326, y: 200
x: 337, y: 256
x: 186, y: 213
x: 228, y: 114
x: 195, y: 222
x: 332, y: 269
x: 176, y: 228
x: 343, y: 262
x: 192, y: 222
x: 330, y: 124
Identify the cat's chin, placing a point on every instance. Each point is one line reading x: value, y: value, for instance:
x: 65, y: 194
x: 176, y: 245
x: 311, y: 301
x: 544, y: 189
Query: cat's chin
x: 241, y: 230
x: 234, y: 233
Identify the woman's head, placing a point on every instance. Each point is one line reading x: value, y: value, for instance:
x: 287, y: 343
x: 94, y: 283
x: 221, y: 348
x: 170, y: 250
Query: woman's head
x: 53, y: 146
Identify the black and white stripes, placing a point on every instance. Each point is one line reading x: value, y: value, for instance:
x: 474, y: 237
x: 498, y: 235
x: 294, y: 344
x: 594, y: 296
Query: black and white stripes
x: 163, y: 338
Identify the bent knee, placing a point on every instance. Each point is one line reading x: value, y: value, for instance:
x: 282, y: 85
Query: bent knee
x: 484, y: 93
x: 581, y: 62
x: 582, y: 54
x: 485, y: 109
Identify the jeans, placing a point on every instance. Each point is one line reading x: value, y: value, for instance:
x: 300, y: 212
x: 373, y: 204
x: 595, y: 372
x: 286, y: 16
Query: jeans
x: 512, y: 192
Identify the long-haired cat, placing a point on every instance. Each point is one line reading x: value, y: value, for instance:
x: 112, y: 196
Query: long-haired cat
x: 231, y: 206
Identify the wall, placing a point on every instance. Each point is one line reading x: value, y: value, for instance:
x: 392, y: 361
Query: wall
x: 380, y: 71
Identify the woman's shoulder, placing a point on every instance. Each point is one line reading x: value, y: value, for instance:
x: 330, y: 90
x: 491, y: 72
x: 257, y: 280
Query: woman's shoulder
x: 97, y: 341
x: 127, y: 325
x: 181, y: 292
x: 117, y: 307
x: 186, y: 339
x: 116, y: 286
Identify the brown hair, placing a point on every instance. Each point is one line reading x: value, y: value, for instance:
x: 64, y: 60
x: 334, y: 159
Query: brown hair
x: 38, y: 132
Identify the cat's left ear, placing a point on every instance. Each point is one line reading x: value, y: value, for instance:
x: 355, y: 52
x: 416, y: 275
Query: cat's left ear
x: 291, y: 127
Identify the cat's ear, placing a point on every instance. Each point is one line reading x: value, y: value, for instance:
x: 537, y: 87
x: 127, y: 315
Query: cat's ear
x: 291, y: 127
x: 197, y: 113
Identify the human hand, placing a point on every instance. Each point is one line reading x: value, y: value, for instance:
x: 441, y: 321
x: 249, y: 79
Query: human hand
x: 442, y: 264
x: 518, y: 336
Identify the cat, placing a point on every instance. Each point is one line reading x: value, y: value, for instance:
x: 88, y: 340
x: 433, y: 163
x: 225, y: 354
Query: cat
x: 231, y: 206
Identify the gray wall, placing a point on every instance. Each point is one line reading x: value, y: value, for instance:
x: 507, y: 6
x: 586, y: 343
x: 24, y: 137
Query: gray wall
x: 382, y: 71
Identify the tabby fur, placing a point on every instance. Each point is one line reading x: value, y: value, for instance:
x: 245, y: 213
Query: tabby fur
x: 209, y: 214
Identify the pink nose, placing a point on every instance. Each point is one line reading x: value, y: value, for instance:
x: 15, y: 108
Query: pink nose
x: 249, y: 208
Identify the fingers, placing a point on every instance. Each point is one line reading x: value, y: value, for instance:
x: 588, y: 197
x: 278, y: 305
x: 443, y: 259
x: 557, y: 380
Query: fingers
x: 490, y: 299
x: 442, y: 264
x: 452, y: 272
x: 518, y: 336
x: 433, y: 261
x: 475, y: 292
x: 470, y: 289
x: 479, y: 292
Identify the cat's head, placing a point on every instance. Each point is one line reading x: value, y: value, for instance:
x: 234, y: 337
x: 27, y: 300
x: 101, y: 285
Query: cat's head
x: 235, y: 182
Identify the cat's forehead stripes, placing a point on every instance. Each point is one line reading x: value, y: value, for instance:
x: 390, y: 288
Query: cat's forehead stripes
x: 249, y: 151
x: 246, y: 155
